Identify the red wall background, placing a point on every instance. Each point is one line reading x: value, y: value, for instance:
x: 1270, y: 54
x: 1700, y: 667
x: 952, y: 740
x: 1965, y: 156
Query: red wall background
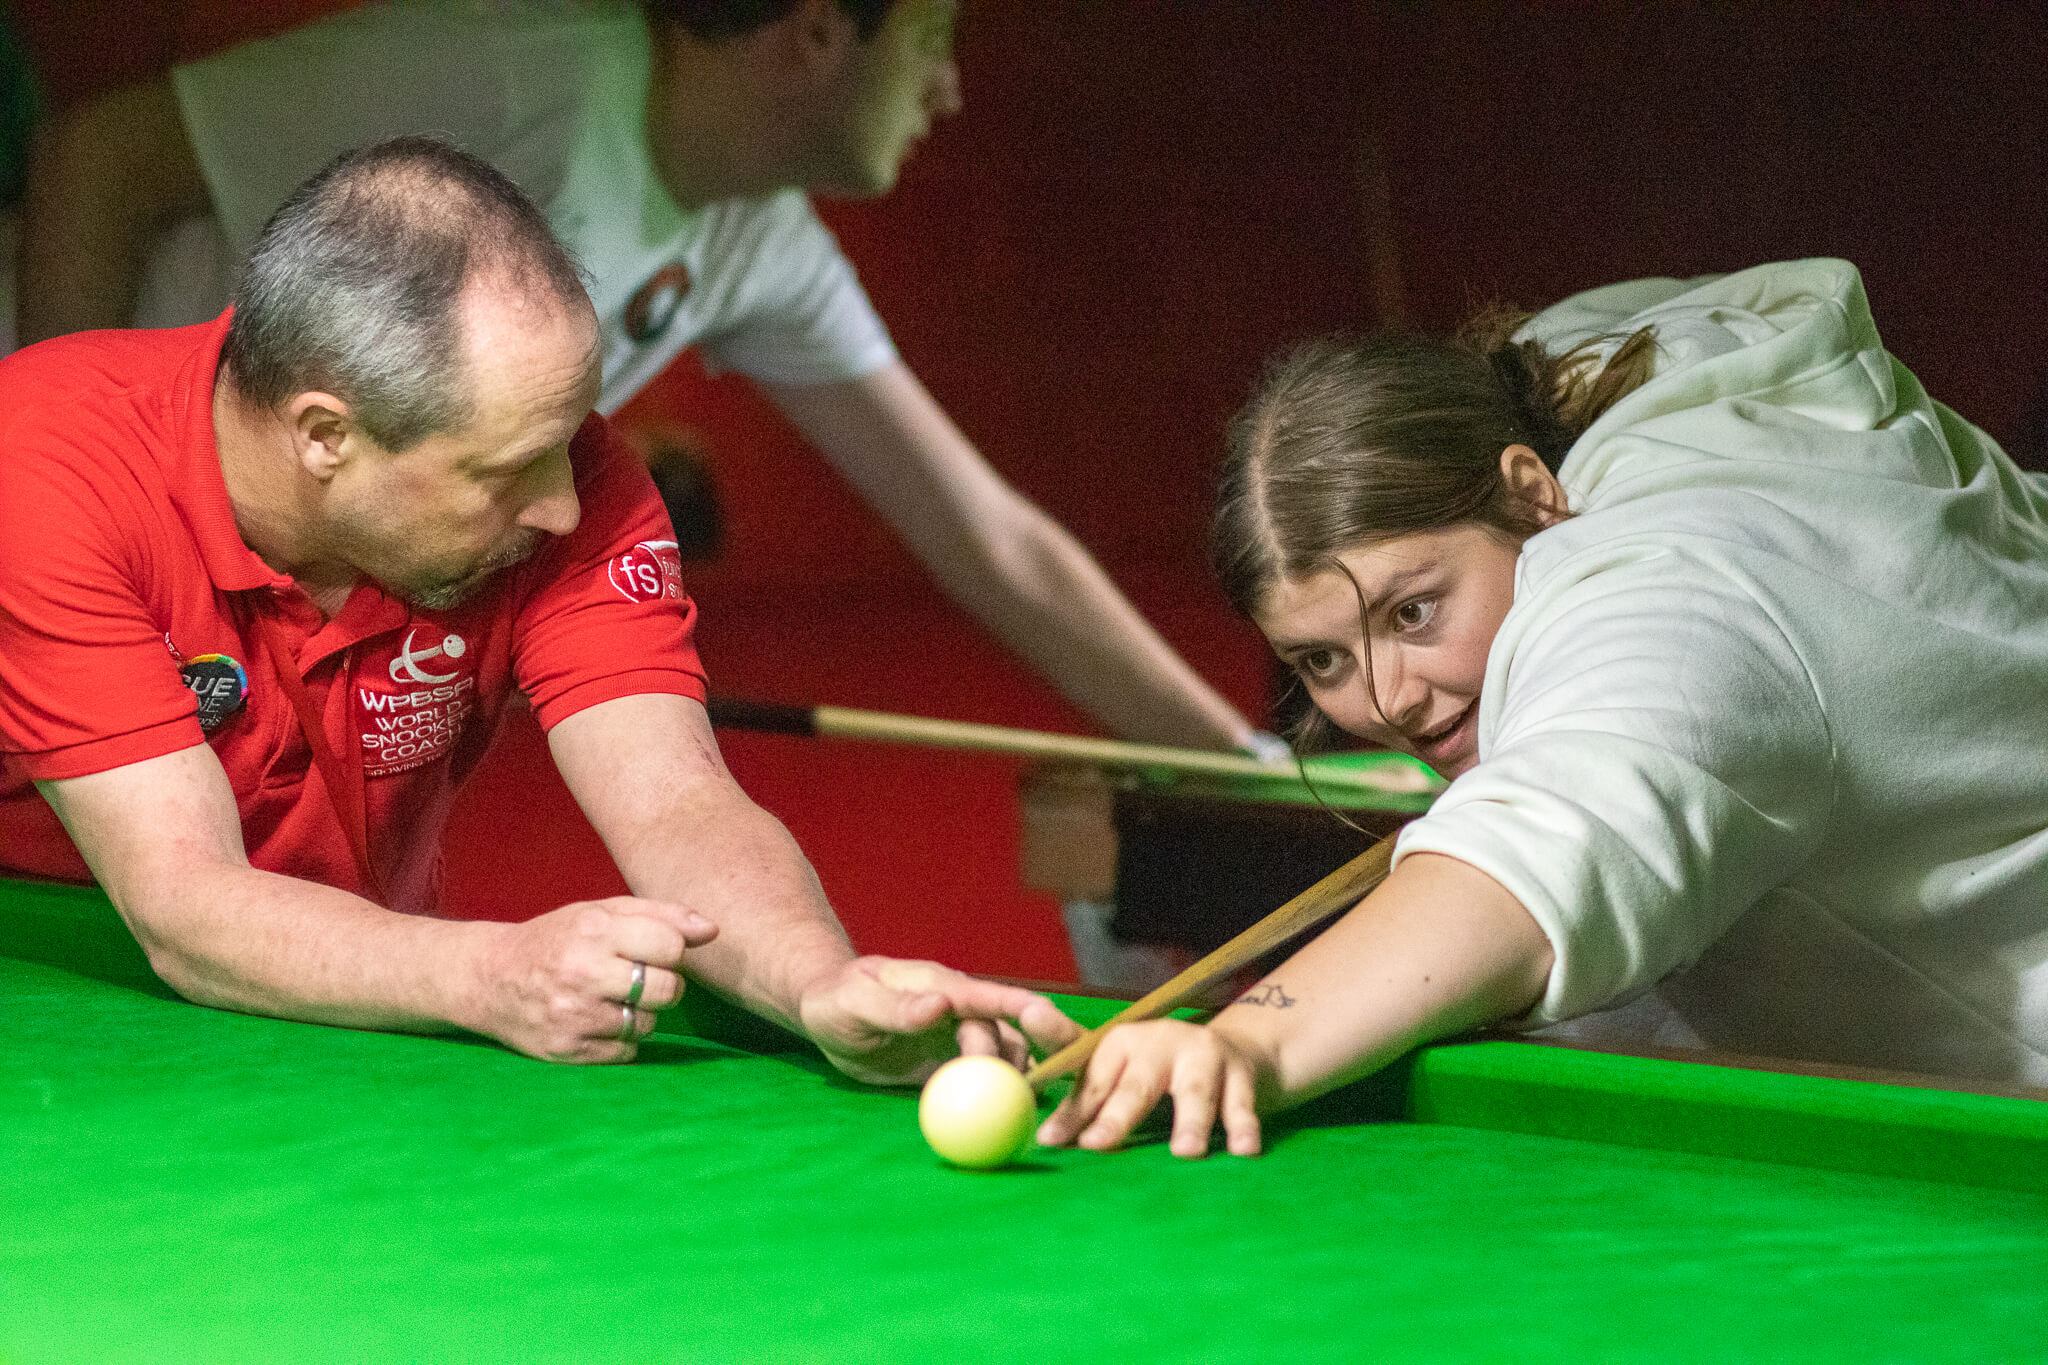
x: 1141, y: 201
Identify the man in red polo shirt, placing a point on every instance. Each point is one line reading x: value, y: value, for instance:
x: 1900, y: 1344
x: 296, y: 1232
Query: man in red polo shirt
x: 268, y: 584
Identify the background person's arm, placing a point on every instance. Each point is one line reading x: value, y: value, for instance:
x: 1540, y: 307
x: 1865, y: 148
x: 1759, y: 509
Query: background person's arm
x: 648, y: 774
x: 163, y: 838
x: 1439, y: 948
x: 105, y: 178
x: 1022, y: 575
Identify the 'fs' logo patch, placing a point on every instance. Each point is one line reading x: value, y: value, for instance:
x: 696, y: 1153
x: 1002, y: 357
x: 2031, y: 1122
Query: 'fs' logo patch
x: 649, y: 572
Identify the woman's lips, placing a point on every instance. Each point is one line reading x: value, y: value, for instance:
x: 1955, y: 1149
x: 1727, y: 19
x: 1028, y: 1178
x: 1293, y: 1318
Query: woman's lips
x: 1450, y: 743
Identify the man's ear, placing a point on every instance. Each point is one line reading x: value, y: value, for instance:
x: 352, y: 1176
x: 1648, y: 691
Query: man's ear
x: 324, y: 433
x: 821, y: 35
x: 1531, y: 481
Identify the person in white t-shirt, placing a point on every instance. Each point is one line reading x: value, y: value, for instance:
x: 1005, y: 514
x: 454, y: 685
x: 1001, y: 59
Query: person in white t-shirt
x: 671, y: 145
x: 1734, y: 645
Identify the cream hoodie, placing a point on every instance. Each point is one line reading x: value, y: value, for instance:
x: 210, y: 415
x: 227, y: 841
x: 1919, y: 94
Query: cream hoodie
x: 1766, y: 730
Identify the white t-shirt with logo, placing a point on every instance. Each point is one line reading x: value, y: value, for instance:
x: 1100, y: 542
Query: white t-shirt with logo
x: 553, y: 95
x: 1763, y: 741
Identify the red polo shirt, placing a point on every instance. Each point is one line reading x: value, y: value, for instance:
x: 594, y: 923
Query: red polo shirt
x: 132, y: 624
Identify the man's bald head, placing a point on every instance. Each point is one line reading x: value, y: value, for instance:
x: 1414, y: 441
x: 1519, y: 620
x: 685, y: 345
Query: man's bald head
x: 355, y: 286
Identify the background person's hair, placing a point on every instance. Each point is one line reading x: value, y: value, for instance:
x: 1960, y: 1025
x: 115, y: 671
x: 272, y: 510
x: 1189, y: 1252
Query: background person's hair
x: 714, y: 21
x: 354, y: 286
x: 1350, y: 440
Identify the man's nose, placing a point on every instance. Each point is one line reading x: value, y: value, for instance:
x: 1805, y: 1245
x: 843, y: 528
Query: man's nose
x: 554, y: 508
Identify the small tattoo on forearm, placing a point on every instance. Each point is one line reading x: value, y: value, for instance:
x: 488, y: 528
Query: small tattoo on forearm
x: 1271, y: 995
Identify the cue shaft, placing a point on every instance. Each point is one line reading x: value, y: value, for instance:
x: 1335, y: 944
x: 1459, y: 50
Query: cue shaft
x: 1335, y: 893
x: 847, y: 723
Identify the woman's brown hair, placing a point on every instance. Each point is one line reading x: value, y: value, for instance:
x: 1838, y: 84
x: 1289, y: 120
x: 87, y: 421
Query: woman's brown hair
x: 1351, y: 440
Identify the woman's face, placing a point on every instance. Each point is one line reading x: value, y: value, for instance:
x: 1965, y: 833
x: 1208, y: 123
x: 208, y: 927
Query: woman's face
x: 1432, y: 602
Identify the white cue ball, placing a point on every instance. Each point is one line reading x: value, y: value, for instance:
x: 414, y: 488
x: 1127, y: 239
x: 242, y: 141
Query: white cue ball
x: 977, y: 1112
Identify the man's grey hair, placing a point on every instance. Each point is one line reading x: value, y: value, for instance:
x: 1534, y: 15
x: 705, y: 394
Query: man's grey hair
x: 355, y: 285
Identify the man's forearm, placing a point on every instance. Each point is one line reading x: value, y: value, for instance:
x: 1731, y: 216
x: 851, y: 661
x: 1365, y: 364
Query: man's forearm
x: 104, y: 180
x: 1019, y: 572
x: 241, y: 939
x: 777, y: 934
x: 647, y: 773
x: 1055, y: 606
x: 222, y: 933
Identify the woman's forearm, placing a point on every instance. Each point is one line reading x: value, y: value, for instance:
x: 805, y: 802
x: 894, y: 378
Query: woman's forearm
x: 1439, y: 948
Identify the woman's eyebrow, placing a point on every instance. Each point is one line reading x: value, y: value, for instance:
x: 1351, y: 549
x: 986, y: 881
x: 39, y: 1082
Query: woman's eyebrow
x: 1393, y: 587
x: 1396, y: 584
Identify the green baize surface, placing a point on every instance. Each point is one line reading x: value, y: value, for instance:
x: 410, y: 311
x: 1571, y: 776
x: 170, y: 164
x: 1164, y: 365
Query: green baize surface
x: 179, y: 1183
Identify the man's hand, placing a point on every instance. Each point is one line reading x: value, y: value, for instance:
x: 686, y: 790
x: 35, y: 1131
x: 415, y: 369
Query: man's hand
x: 885, y: 1021
x: 556, y: 987
x: 1207, y: 1075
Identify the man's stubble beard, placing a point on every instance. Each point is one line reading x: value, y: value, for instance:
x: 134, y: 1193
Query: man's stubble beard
x: 444, y: 596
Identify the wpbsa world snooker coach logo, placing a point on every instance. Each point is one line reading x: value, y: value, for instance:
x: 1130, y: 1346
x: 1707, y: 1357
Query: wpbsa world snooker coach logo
x: 418, y: 716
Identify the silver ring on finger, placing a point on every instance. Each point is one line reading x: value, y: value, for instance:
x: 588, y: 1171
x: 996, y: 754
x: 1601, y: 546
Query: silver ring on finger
x: 639, y: 984
x: 629, y: 1027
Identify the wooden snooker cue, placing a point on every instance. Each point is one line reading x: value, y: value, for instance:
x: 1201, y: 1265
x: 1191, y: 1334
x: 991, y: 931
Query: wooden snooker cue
x: 1335, y: 893
x: 846, y: 723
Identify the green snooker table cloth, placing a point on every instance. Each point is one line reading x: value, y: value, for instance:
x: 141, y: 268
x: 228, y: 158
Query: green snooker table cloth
x: 185, y: 1184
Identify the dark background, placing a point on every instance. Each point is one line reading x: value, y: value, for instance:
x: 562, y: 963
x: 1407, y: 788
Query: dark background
x: 1143, y: 200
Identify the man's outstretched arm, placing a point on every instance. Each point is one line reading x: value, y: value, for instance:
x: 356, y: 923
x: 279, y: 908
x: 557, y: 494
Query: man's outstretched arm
x: 105, y: 177
x: 163, y: 838
x: 1020, y: 573
x: 647, y: 772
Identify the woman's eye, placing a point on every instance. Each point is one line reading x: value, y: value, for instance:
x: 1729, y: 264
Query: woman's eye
x: 1317, y: 664
x: 1416, y: 614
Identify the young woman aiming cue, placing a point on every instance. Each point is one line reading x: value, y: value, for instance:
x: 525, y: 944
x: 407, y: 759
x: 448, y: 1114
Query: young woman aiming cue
x: 1735, y: 646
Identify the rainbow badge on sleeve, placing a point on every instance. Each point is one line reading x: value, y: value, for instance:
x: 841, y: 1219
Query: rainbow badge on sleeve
x: 219, y: 683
